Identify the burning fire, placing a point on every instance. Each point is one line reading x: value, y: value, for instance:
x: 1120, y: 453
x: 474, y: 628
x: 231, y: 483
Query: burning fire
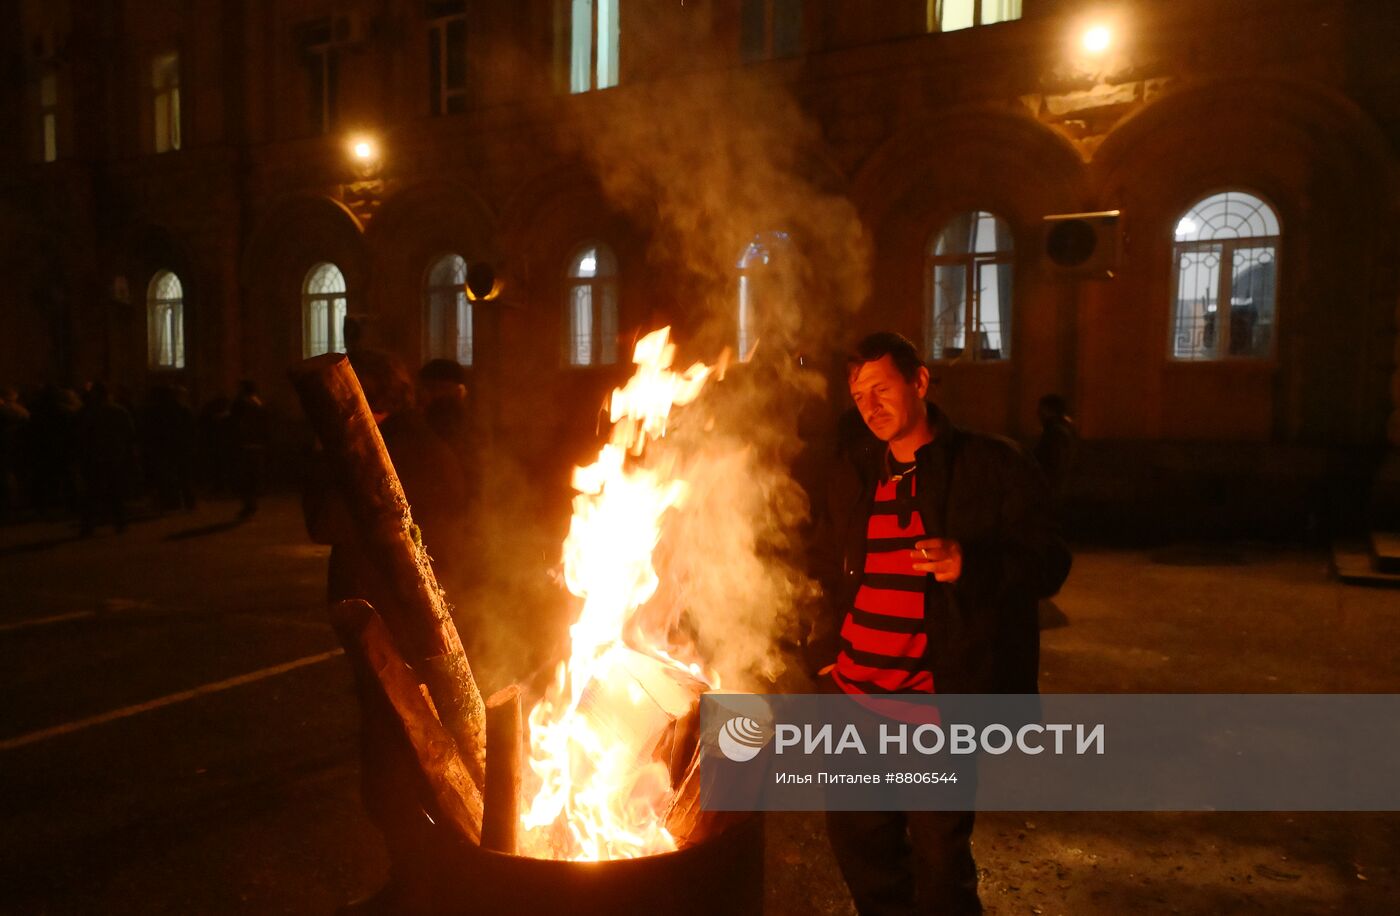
x: 602, y: 794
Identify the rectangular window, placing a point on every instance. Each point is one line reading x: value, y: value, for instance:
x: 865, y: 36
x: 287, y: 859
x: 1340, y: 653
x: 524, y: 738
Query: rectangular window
x: 320, y: 61
x: 594, y: 36
x: 770, y: 28
x: 447, y: 58
x: 581, y: 46
x: 607, y: 41
x: 165, y: 101
x: 952, y: 15
x: 48, y: 115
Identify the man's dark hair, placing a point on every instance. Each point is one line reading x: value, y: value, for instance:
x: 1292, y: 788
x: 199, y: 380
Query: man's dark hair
x: 1053, y: 403
x: 443, y: 370
x: 385, y: 380
x: 896, y: 346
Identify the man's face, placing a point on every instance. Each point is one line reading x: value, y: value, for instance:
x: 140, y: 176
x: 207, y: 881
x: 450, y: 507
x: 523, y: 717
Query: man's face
x: 890, y: 404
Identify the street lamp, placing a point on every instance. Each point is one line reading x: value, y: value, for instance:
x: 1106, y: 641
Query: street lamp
x: 363, y: 151
x: 1096, y: 39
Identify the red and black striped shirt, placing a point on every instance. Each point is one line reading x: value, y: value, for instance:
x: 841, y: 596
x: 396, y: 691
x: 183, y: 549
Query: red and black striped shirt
x: 883, y: 638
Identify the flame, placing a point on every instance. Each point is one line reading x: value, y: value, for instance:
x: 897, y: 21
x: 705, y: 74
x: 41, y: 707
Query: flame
x: 598, y: 797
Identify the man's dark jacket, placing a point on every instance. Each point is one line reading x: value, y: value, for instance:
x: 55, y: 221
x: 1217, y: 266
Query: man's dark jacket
x: 978, y: 490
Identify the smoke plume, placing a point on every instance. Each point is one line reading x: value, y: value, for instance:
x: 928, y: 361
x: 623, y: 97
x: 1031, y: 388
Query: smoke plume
x: 711, y: 164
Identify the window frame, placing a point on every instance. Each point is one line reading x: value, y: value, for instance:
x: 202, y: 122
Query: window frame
x: 599, y: 285
x: 461, y: 302
x: 1225, y: 283
x: 176, y: 307
x: 167, y: 96
x: 971, y: 262
x: 776, y: 243
x: 320, y: 66
x: 329, y: 297
x: 767, y: 47
x: 935, y: 15
x: 441, y: 94
x: 48, y: 113
x: 570, y: 54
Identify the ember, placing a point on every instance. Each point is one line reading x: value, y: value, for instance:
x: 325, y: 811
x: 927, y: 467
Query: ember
x: 615, y: 730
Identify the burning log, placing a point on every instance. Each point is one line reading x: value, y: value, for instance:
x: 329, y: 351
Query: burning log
x: 371, y: 646
x: 687, y: 821
x: 504, y: 748
x: 419, y: 617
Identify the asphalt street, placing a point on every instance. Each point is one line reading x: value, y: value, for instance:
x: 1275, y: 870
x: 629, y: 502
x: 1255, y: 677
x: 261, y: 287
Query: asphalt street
x: 178, y: 733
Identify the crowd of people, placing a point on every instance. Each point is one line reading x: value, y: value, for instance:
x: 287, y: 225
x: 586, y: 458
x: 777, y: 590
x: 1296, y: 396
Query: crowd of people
x: 94, y: 454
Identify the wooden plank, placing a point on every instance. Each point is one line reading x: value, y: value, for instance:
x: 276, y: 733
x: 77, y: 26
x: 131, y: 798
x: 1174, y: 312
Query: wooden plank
x: 419, y: 617
x: 504, y: 752
x: 371, y: 646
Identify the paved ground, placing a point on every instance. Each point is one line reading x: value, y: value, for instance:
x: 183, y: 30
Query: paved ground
x: 239, y: 793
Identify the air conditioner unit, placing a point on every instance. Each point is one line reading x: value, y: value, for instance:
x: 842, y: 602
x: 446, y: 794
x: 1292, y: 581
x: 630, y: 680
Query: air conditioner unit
x: 348, y: 28
x: 1083, y: 245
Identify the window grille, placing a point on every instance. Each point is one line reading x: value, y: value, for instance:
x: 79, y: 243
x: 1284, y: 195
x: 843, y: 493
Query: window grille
x: 968, y: 313
x: 591, y: 307
x: 165, y: 322
x: 448, y: 312
x: 1226, y: 256
x: 323, y: 310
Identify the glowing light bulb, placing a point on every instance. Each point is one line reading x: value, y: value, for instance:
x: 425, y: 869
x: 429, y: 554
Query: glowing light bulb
x: 1096, y: 39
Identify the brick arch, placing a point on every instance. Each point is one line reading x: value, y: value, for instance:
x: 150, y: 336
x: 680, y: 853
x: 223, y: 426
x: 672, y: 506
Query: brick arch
x: 967, y: 158
x: 414, y: 226
x: 286, y: 240
x: 999, y: 157
x: 1325, y: 168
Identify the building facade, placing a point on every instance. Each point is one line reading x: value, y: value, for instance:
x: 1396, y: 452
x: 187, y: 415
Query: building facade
x: 210, y: 190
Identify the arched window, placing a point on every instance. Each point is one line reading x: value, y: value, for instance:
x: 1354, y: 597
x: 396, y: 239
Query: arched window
x: 970, y: 288
x: 323, y: 310
x: 1226, y: 254
x: 165, y: 322
x: 757, y: 277
x: 592, y: 307
x: 447, y: 311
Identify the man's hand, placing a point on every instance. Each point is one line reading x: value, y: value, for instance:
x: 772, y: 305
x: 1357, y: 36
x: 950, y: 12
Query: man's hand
x: 939, y: 556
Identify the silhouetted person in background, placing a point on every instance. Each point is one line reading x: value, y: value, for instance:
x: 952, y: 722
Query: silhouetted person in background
x: 51, y: 450
x: 442, y: 386
x: 248, y: 429
x: 443, y: 399
x: 169, y: 436
x: 13, y: 419
x: 107, y: 450
x: 215, y: 446
x: 1058, y: 444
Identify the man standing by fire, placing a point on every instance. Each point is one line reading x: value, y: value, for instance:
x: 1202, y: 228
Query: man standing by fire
x: 934, y: 546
